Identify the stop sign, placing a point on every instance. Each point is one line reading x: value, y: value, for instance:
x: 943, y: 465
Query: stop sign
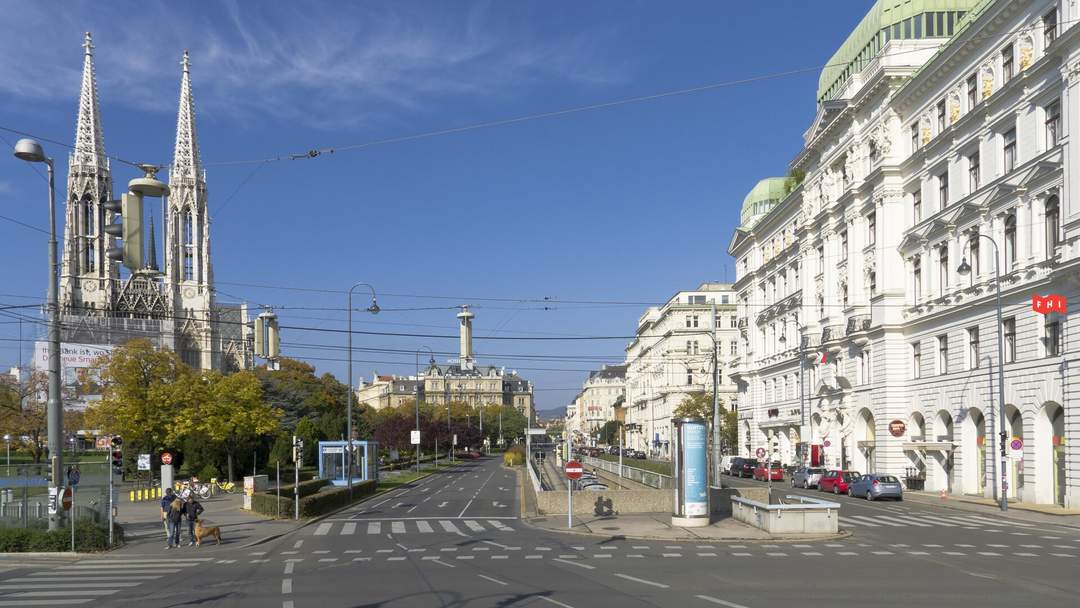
x: 573, y: 469
x: 166, y: 458
x: 67, y: 499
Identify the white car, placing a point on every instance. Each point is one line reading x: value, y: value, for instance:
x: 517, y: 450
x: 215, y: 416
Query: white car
x: 725, y: 464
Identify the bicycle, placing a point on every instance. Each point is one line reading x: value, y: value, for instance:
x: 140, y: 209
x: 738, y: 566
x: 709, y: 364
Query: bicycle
x: 184, y: 488
x: 228, y: 487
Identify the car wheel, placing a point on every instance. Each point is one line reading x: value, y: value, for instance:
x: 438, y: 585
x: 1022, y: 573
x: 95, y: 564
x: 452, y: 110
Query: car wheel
x: 899, y: 499
x: 806, y: 485
x: 793, y: 483
x: 850, y: 494
x: 869, y: 496
x: 835, y: 489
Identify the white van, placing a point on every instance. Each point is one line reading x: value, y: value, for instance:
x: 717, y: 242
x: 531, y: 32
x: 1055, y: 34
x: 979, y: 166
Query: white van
x: 725, y: 464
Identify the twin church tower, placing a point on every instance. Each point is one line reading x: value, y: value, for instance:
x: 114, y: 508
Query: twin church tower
x: 175, y: 308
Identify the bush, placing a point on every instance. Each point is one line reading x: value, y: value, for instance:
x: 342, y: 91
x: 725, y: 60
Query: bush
x: 209, y: 472
x: 88, y: 537
x: 514, y: 456
x: 307, y: 488
x: 267, y: 504
x: 326, y: 501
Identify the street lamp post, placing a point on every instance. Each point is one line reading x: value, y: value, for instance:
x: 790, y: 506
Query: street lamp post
x: 373, y: 309
x: 7, y: 440
x: 31, y: 151
x: 963, y: 270
x: 418, y: 400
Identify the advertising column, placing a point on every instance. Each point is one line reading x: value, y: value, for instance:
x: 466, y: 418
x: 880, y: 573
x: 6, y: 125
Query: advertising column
x: 691, y: 473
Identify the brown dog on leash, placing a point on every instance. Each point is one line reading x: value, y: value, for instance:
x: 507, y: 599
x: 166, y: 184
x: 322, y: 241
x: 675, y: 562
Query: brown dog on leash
x: 202, y: 531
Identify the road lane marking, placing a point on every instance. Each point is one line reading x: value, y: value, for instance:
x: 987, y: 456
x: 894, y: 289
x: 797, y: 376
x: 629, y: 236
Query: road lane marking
x: 462, y: 514
x: 79, y: 585
x: 556, y: 602
x: 286, y: 586
x: 642, y: 581
x: 323, y: 529
x: 716, y: 600
x: 498, y: 525
x: 578, y: 564
x: 439, y: 561
x: 671, y: 555
x: 449, y: 526
x: 397, y: 527
x: 472, y: 525
x: 494, y: 580
x: 289, y: 567
x: 349, y: 528
x: 424, y: 527
x: 374, y: 527
x: 322, y: 552
x: 347, y: 551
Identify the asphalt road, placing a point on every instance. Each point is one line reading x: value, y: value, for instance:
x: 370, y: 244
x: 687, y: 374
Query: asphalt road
x: 454, y: 540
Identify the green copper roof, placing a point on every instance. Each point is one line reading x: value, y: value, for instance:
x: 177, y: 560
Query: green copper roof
x: 765, y: 195
x: 907, y: 19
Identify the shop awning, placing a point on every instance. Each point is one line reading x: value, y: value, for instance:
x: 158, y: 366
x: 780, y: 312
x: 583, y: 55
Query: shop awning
x: 929, y: 446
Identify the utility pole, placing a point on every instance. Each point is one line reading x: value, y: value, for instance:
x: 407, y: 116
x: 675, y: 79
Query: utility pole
x: 715, y: 402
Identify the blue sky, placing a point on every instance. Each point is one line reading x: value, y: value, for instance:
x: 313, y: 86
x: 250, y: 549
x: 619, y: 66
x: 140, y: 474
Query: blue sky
x: 626, y: 204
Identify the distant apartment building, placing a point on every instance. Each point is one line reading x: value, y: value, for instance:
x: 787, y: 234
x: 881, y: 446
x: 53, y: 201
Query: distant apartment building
x: 671, y: 357
x: 600, y: 400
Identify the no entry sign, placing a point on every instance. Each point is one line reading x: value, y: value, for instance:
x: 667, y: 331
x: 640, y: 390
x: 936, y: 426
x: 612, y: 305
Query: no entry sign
x: 573, y: 469
x: 760, y: 452
x: 166, y: 458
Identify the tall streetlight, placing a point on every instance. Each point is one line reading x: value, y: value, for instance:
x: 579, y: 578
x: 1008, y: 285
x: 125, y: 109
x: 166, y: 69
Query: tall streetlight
x: 373, y: 309
x: 32, y: 152
x: 963, y: 270
x: 418, y: 400
x: 7, y: 440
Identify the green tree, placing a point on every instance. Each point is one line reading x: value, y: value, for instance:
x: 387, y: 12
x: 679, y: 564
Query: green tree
x: 609, y: 433
x: 729, y: 430
x: 23, y: 414
x: 232, y: 413
x: 309, y: 433
x: 697, y: 405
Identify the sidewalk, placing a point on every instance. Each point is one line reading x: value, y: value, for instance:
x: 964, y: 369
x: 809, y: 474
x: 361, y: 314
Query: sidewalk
x: 657, y: 526
x: 1022, y: 511
x: 143, y: 529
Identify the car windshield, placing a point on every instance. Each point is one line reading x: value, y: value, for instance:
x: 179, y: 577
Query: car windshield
x: 750, y: 461
x: 850, y: 476
x: 816, y: 471
x: 888, y: 479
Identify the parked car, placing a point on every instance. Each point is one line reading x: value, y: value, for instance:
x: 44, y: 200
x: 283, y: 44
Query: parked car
x: 613, y: 450
x: 743, y: 467
x: 765, y: 472
x: 873, y: 486
x: 837, y: 482
x: 806, y: 477
x: 639, y: 455
x: 725, y: 464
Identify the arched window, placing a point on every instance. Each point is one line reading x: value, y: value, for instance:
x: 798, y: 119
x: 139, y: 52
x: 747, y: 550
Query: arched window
x: 189, y: 245
x: 1010, y: 241
x: 1053, y: 226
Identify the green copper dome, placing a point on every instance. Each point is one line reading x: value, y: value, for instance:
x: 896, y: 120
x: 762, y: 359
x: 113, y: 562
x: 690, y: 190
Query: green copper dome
x: 765, y: 195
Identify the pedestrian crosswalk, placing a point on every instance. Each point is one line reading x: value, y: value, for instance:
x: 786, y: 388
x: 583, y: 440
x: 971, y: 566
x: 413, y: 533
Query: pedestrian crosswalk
x: 920, y: 519
x: 85, y: 581
x: 416, y: 526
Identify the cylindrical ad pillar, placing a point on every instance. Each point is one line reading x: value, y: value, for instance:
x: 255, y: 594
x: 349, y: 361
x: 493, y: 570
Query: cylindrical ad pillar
x: 691, y: 472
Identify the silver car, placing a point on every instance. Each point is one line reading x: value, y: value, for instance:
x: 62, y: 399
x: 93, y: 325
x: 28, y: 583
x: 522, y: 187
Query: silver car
x: 875, y: 485
x: 806, y: 477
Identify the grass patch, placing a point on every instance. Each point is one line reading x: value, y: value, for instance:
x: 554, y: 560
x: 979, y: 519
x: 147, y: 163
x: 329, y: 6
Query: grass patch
x: 653, y: 466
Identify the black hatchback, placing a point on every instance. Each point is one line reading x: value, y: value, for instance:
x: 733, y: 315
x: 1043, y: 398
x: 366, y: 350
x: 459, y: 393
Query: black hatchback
x: 743, y: 467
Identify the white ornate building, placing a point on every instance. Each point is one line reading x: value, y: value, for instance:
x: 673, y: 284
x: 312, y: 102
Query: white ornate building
x: 939, y: 122
x: 601, y: 400
x: 176, y: 309
x: 671, y: 358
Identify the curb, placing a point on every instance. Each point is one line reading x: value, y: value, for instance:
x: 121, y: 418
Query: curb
x: 787, y: 539
x: 53, y: 554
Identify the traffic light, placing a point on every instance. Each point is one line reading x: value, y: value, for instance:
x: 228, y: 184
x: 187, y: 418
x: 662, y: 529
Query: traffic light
x: 298, y: 449
x: 267, y: 338
x: 128, y: 229
x: 117, y: 455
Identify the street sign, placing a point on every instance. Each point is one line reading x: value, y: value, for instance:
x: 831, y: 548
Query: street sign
x: 67, y: 499
x: 826, y: 443
x: 538, y: 431
x: 166, y: 458
x: 1016, y: 449
x: 455, y: 438
x: 73, y: 476
x: 144, y: 462
x: 573, y: 470
x: 53, y: 491
x: 760, y: 452
x: 1049, y: 303
x: 414, y: 437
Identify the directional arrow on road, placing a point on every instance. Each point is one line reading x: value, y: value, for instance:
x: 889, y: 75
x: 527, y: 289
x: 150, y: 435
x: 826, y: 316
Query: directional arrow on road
x: 497, y: 504
x: 442, y: 504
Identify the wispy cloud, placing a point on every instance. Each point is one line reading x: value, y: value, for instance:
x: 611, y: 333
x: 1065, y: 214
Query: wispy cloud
x: 321, y: 64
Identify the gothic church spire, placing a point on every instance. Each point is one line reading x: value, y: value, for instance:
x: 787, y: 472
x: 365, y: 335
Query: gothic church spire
x: 89, y: 140
x: 186, y: 162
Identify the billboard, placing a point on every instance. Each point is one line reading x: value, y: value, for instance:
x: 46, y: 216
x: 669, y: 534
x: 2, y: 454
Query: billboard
x: 78, y: 374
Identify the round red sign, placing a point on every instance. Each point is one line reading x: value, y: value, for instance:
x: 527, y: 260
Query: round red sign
x: 573, y: 469
x: 760, y: 452
x: 897, y: 428
x: 166, y: 458
x: 67, y: 499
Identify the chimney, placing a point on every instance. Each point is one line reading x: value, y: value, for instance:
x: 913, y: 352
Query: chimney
x: 466, y: 317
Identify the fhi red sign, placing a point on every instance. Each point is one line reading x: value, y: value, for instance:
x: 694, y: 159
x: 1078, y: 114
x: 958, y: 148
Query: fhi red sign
x: 1048, y: 303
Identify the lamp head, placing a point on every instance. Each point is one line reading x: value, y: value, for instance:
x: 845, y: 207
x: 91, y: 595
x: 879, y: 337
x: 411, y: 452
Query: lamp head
x: 374, y: 308
x: 29, y: 150
x: 964, y: 268
x: 782, y: 338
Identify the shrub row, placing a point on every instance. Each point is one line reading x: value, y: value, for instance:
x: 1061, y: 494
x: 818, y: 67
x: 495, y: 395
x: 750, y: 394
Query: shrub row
x: 312, y: 504
x: 88, y: 537
x: 307, y: 488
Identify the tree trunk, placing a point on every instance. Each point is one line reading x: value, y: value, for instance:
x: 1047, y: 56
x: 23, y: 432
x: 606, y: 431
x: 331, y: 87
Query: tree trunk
x: 228, y: 459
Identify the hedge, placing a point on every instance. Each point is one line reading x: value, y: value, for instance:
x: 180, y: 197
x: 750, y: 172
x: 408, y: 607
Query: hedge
x: 307, y: 488
x: 311, y: 504
x: 88, y: 537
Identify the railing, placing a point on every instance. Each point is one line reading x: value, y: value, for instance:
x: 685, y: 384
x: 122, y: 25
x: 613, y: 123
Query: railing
x: 647, y: 478
x: 810, y: 341
x: 830, y: 332
x: 858, y: 323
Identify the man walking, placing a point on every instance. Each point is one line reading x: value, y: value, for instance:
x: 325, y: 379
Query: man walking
x: 166, y: 500
x: 192, y: 509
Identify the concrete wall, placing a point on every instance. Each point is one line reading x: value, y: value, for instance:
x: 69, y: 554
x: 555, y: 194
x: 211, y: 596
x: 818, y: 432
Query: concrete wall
x: 640, y: 501
x: 788, y: 519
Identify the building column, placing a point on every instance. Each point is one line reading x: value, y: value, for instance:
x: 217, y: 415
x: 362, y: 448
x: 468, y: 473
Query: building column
x: 1024, y: 227
x: 1037, y: 249
x: 986, y: 251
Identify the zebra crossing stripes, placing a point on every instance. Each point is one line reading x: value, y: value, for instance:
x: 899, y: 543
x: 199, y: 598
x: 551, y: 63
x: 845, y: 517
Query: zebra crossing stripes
x: 926, y: 520
x: 84, y: 581
x: 418, y: 526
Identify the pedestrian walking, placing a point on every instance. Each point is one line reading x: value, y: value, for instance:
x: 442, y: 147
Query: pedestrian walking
x: 192, y: 510
x: 166, y: 500
x: 173, y: 517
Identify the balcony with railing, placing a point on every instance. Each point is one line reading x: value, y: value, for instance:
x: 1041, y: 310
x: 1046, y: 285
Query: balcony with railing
x: 858, y: 323
x: 831, y: 332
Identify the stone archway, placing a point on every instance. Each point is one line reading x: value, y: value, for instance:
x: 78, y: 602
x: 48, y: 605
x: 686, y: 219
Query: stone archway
x: 916, y: 432
x: 866, y: 442
x: 747, y: 438
x: 1049, y: 454
x: 1014, y: 468
x: 973, y: 452
x: 940, y: 474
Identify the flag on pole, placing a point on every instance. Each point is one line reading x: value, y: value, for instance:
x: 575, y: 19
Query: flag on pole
x: 825, y: 357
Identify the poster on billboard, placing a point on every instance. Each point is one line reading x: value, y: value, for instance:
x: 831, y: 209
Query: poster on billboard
x: 695, y: 470
x: 78, y: 372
